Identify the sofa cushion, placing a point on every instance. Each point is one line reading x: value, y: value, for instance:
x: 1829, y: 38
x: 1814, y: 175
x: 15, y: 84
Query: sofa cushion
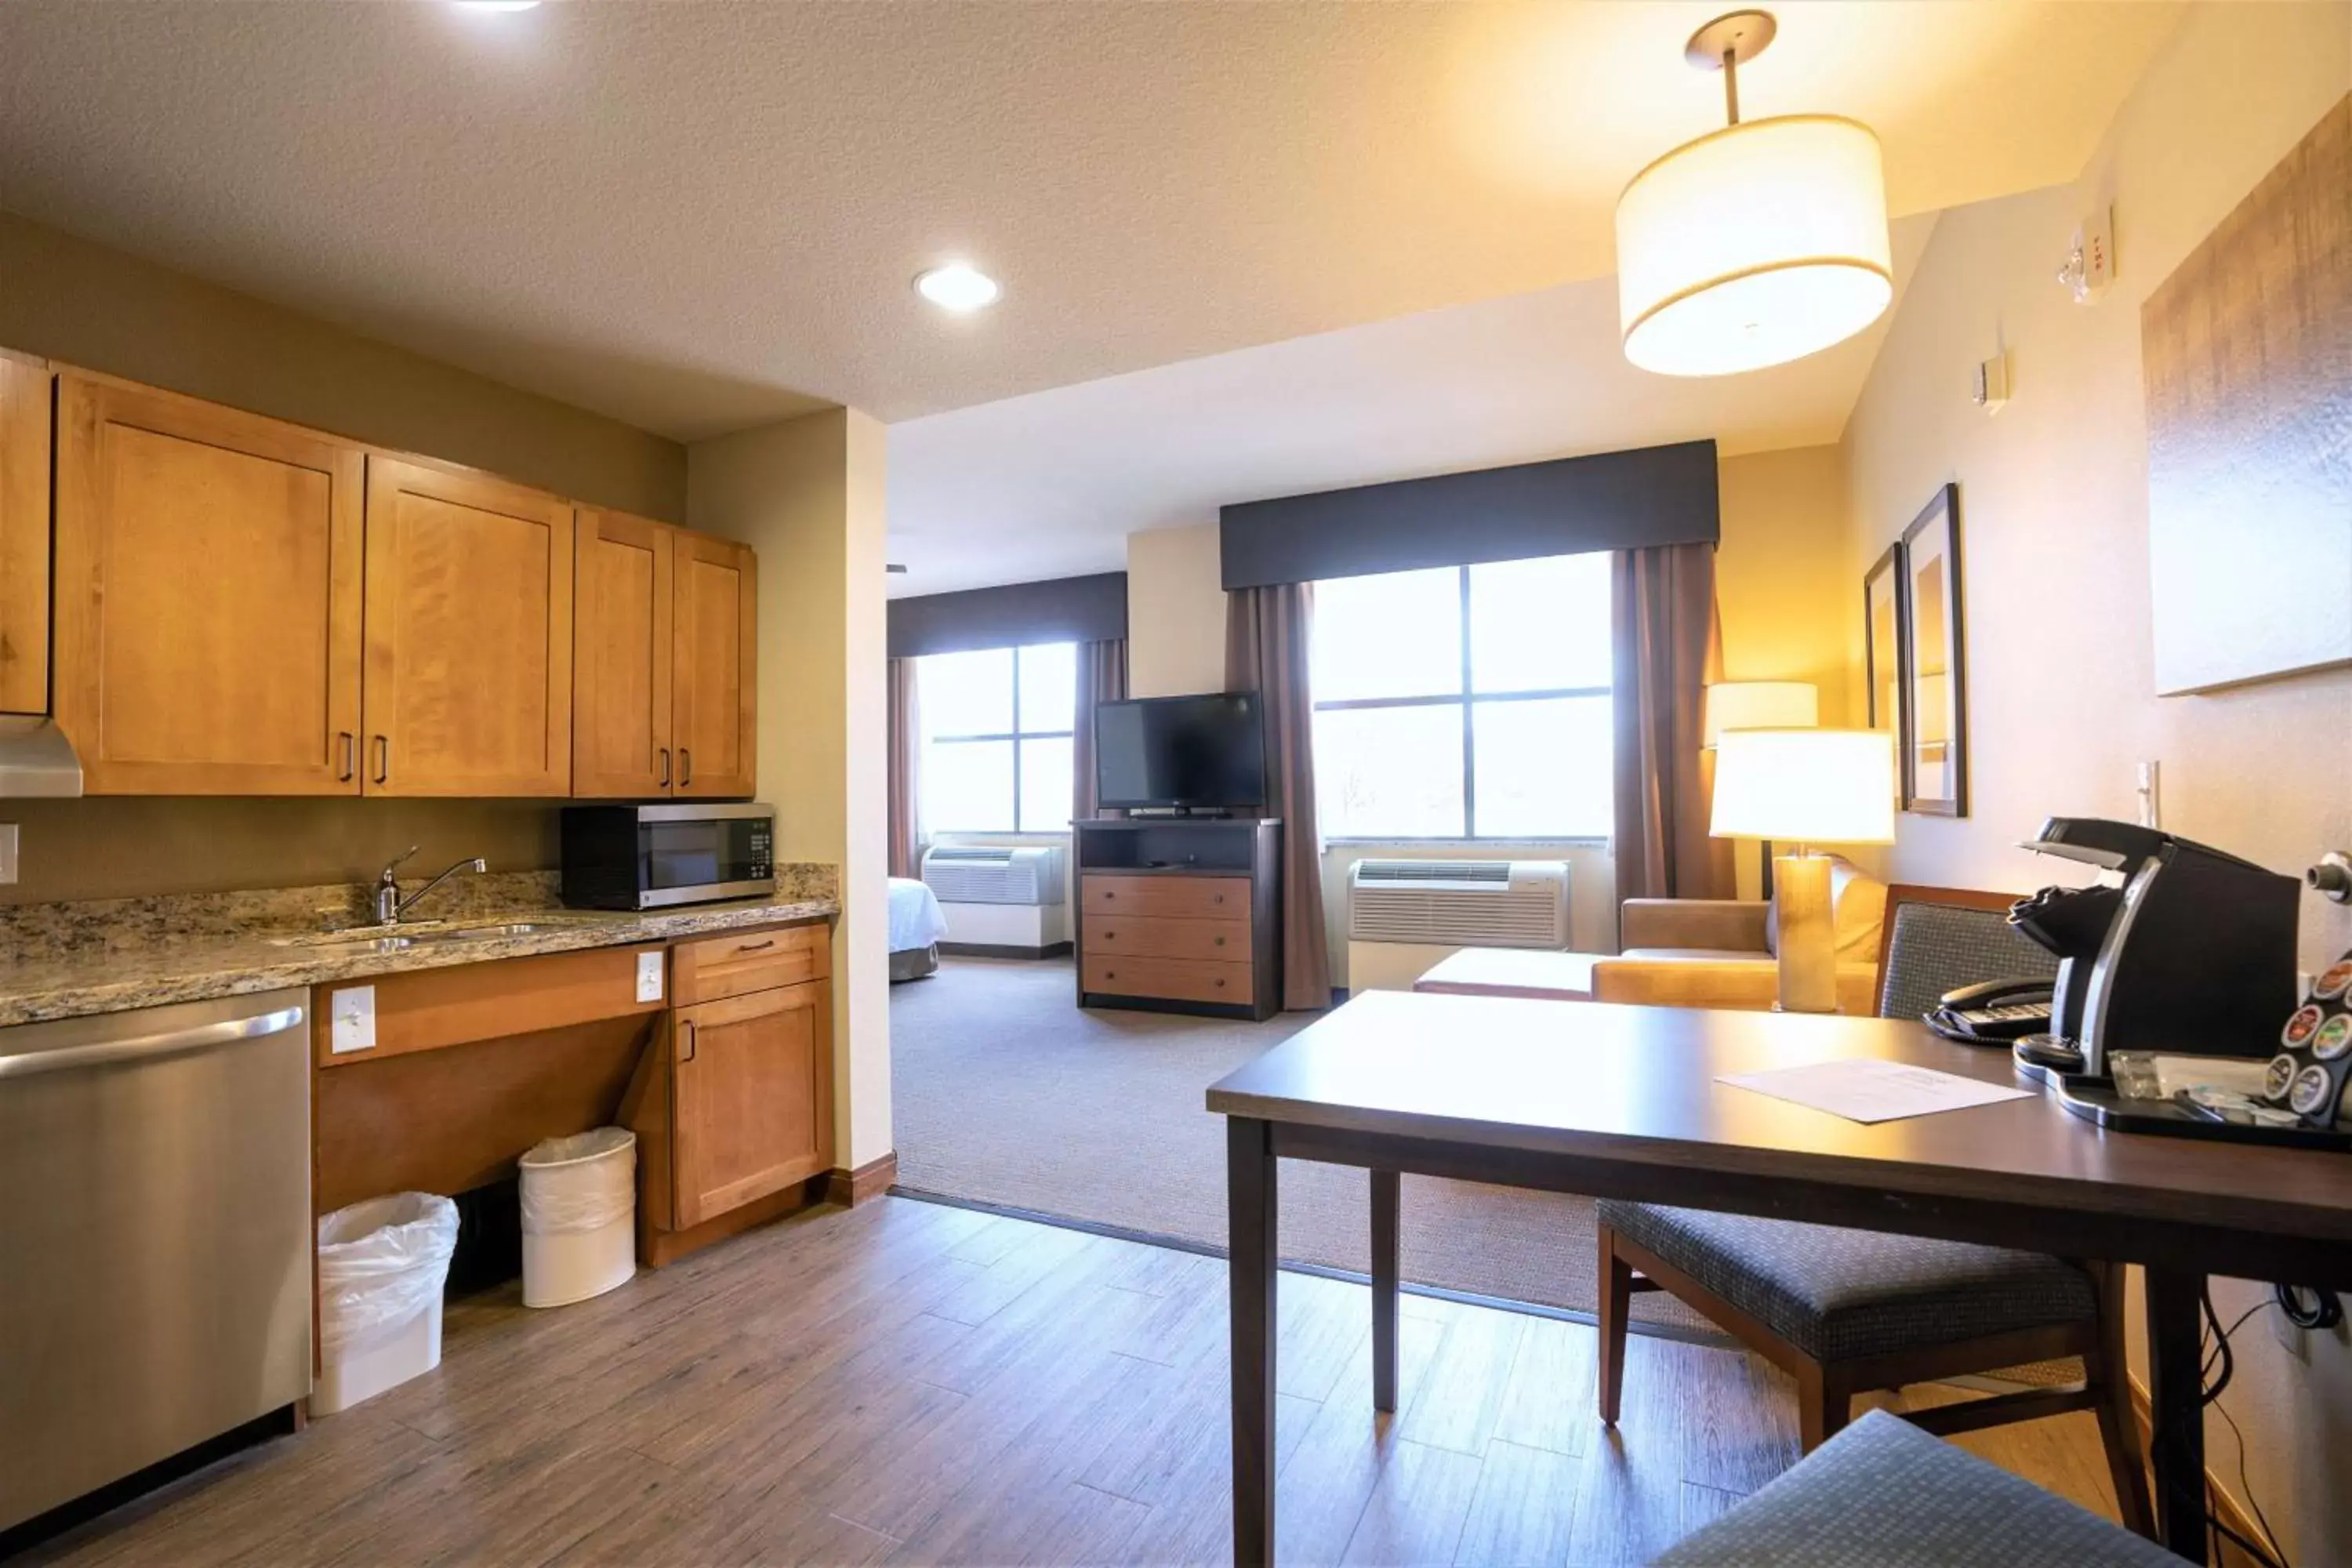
x: 1838, y: 1294
x: 1884, y: 1494
x: 1857, y: 906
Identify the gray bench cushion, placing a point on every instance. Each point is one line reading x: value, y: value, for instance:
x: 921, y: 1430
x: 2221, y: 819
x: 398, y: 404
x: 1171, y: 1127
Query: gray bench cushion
x: 1884, y: 1494
x: 1838, y: 1294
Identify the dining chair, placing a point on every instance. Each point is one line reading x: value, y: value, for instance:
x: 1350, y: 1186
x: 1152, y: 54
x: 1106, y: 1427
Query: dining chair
x: 1846, y: 1311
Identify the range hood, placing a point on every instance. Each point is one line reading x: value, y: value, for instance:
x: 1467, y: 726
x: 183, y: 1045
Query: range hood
x: 36, y: 759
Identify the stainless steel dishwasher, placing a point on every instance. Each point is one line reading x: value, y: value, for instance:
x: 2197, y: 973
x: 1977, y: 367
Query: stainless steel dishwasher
x: 154, y: 1236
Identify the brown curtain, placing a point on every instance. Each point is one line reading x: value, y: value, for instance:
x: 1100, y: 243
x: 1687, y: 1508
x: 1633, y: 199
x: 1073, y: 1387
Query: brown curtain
x: 1266, y: 652
x: 1667, y: 646
x: 906, y: 755
x: 1102, y: 677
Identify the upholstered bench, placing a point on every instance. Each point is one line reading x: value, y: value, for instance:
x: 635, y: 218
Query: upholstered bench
x: 1884, y: 1494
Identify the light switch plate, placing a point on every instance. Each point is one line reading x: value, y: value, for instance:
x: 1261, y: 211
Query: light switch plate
x: 350, y: 1016
x: 7, y: 851
x: 649, y: 977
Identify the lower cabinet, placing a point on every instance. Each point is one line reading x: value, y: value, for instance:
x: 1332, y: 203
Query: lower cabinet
x: 733, y: 1104
x: 753, y: 1102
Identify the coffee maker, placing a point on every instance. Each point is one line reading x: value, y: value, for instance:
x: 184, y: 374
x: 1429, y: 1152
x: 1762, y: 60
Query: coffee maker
x: 2193, y: 953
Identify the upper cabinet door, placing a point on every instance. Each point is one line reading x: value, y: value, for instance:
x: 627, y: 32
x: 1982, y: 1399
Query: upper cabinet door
x: 24, y: 534
x: 207, y: 599
x: 621, y: 657
x: 714, y: 717
x: 469, y: 635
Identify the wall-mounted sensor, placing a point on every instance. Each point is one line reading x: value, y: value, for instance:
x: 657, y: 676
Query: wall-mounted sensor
x: 1992, y: 389
x: 2090, y: 265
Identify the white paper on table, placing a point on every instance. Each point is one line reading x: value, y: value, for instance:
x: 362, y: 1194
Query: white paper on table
x: 1865, y: 1088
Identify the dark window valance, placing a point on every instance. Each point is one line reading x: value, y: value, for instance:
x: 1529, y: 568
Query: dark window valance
x: 1063, y: 609
x: 1611, y: 501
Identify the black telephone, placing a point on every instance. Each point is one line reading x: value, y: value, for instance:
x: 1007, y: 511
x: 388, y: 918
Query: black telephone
x: 1994, y: 1013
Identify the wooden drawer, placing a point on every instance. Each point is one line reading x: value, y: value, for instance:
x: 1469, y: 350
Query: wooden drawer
x: 1179, y: 979
x: 1156, y: 936
x: 741, y: 961
x: 1177, y: 897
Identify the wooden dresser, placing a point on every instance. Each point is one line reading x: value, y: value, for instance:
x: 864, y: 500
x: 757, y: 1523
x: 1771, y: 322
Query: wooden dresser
x: 1180, y: 915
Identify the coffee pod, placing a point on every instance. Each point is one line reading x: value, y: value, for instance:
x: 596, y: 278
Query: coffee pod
x: 2332, y: 981
x: 2311, y: 1092
x: 2333, y: 1038
x: 2279, y: 1077
x: 2304, y: 1024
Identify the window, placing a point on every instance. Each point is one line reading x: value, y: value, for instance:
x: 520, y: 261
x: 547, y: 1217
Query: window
x: 996, y: 738
x: 1466, y: 701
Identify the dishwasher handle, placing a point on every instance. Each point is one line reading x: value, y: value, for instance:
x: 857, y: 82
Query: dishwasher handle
x: 148, y: 1047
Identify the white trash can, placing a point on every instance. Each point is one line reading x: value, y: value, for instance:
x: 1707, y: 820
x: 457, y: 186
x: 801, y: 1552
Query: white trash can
x: 579, y: 1216
x: 383, y: 1264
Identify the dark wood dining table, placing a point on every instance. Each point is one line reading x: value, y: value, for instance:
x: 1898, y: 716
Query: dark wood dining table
x: 1624, y: 1102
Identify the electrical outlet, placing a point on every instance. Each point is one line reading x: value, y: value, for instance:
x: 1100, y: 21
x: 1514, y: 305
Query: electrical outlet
x: 350, y: 1019
x: 649, y: 977
x: 7, y: 851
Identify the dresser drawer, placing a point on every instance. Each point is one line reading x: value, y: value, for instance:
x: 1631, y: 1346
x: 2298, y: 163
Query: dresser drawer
x: 1178, y: 979
x: 1177, y: 897
x: 739, y: 962
x: 1156, y: 936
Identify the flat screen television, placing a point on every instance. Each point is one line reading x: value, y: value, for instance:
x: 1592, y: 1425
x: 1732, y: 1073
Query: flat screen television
x: 1206, y: 751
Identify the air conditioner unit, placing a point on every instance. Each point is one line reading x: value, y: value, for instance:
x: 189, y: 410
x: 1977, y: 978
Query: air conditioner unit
x: 1007, y: 901
x: 1404, y: 915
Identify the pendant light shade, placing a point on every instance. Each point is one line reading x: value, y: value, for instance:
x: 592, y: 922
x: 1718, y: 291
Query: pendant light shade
x: 1758, y: 244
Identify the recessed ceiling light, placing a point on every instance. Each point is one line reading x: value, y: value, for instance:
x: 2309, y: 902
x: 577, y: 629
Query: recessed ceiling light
x: 957, y: 287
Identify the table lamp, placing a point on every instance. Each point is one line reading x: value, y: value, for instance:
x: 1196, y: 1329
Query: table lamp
x: 1805, y: 787
x: 1760, y: 705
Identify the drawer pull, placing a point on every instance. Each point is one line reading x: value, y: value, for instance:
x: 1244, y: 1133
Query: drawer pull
x: 1220, y: 941
x: 1110, y: 975
x: 1110, y: 936
x: 755, y: 946
x: 1220, y: 985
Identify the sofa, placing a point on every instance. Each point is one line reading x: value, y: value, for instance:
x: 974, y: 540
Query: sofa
x: 1721, y: 953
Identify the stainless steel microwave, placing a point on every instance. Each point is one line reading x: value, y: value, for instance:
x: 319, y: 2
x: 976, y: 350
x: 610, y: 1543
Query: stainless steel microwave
x: 653, y: 856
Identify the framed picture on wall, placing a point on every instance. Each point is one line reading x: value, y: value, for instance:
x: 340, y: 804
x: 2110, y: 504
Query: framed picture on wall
x: 1882, y: 653
x: 1934, y: 674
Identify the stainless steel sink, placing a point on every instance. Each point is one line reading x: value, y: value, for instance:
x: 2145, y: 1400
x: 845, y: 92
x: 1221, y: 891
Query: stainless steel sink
x: 364, y: 944
x: 377, y: 939
x: 466, y: 934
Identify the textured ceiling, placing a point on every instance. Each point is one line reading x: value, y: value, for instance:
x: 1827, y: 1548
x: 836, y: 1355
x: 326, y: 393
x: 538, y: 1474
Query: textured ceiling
x: 1050, y: 484
x: 703, y: 215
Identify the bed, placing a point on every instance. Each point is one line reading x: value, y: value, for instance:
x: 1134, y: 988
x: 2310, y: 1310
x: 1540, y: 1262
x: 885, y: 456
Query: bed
x: 917, y: 923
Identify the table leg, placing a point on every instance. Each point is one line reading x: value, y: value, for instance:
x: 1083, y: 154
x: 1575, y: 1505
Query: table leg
x: 1250, y: 1236
x: 2176, y: 1417
x: 1384, y: 1290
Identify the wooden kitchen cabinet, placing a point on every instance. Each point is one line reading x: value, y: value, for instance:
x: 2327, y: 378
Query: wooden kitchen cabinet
x: 753, y: 1098
x: 25, y: 411
x: 207, y: 597
x: 470, y: 594
x: 714, y: 707
x: 621, y: 666
x: 663, y: 682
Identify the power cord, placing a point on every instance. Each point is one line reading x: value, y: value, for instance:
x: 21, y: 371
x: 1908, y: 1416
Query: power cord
x: 2221, y: 1359
x: 2324, y: 1311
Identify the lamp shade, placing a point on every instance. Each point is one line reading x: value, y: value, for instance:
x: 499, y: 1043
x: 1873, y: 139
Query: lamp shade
x: 1805, y: 786
x: 1758, y: 244
x: 1762, y: 705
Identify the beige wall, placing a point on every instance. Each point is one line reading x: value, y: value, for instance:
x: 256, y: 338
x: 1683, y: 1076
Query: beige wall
x: 1175, y: 612
x: 72, y: 300
x: 807, y: 495
x: 2054, y: 500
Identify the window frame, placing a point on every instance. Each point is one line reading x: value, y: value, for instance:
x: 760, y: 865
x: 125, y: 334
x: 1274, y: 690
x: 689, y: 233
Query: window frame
x: 1015, y: 735
x: 1467, y: 697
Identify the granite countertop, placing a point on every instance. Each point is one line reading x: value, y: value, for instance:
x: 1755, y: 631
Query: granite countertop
x: 93, y: 960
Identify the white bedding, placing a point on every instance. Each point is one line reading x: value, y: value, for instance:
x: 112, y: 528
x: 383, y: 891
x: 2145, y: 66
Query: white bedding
x: 916, y: 918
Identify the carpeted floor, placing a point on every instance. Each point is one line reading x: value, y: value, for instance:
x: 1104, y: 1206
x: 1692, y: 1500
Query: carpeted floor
x: 1004, y: 1093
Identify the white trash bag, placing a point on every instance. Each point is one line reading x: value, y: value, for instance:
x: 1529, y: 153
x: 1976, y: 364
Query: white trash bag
x: 381, y: 1263
x: 581, y: 1183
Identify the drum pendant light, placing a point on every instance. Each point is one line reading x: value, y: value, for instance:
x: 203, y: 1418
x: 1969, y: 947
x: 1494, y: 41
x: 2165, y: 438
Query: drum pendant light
x: 1757, y: 244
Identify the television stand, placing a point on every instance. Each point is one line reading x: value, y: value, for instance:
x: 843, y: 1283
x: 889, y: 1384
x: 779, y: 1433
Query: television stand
x: 1180, y: 914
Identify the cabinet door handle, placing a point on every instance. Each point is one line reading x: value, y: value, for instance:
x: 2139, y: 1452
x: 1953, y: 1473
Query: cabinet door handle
x: 348, y: 744
x: 665, y: 759
x: 755, y: 946
x: 689, y: 1027
x: 685, y: 766
x: 383, y: 759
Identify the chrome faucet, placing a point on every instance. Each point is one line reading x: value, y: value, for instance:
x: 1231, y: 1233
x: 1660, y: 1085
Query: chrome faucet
x: 390, y: 906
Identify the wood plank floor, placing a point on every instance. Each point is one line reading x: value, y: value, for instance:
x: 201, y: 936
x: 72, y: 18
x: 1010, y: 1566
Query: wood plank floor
x: 908, y: 1383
